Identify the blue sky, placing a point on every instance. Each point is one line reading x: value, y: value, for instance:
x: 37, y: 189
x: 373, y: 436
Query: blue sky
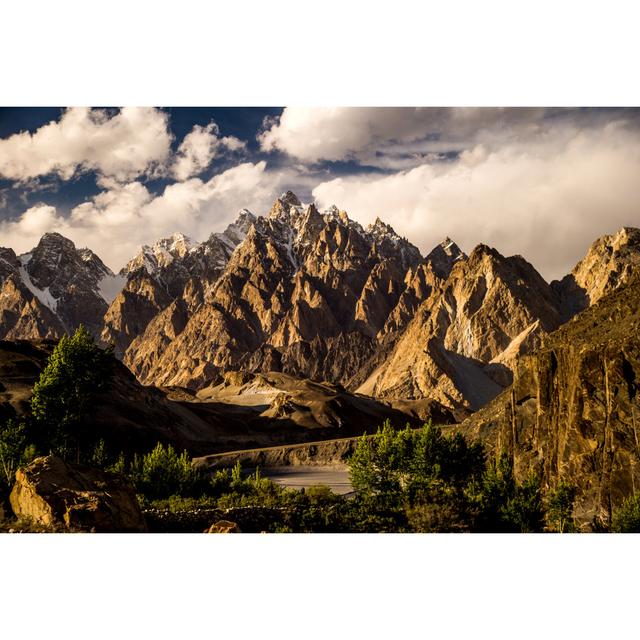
x: 540, y: 182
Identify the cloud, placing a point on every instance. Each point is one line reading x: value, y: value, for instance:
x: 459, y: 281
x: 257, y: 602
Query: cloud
x: 199, y: 148
x: 546, y: 197
x: 124, y: 216
x: 541, y: 183
x: 389, y: 137
x: 124, y: 146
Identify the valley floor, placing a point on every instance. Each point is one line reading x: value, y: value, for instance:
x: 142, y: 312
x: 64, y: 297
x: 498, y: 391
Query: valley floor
x: 303, y: 477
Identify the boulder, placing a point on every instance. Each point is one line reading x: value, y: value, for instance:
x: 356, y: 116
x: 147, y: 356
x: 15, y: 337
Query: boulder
x: 52, y: 492
x: 223, y: 526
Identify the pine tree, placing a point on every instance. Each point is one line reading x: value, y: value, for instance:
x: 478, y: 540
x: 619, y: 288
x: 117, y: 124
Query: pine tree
x: 62, y: 397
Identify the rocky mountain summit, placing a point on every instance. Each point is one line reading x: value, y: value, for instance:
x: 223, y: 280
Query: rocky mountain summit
x: 164, y: 272
x: 608, y: 265
x: 304, y: 293
x: 52, y: 289
x: 312, y: 294
x: 471, y: 327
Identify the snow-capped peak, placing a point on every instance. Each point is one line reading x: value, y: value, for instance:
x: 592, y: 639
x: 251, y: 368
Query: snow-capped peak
x: 237, y: 231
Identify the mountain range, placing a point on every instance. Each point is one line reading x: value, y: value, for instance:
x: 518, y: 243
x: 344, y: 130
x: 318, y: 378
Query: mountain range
x: 314, y: 295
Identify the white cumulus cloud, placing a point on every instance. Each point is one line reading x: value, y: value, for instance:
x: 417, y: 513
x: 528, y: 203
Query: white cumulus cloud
x: 389, y: 136
x: 122, y: 146
x: 199, y: 148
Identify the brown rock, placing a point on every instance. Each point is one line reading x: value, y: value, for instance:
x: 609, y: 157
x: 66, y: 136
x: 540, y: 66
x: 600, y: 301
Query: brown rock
x: 50, y: 491
x: 293, y: 290
x: 223, y: 526
x: 608, y: 265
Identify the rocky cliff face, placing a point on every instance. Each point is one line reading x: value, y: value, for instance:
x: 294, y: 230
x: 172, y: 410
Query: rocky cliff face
x: 573, y: 409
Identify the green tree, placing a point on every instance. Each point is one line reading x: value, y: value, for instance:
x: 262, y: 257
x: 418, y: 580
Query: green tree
x: 504, y: 505
x: 378, y: 466
x: 61, y: 401
x: 498, y: 486
x: 626, y: 519
x: 417, y: 474
x: 560, y: 503
x: 436, y: 459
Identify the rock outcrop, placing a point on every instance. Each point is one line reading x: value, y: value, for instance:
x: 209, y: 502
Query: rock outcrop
x: 608, y: 265
x: 572, y: 412
x: 223, y: 526
x: 51, y: 492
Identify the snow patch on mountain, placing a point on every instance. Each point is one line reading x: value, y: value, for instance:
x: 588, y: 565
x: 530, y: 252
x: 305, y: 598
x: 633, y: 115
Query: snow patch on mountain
x: 43, y: 295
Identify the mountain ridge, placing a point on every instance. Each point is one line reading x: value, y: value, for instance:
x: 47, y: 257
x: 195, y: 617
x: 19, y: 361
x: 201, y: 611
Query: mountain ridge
x: 313, y: 294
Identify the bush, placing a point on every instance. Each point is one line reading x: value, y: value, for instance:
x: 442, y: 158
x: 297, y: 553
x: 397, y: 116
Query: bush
x: 626, y: 519
x: 14, y: 453
x: 503, y: 505
x: 163, y: 473
x: 525, y: 510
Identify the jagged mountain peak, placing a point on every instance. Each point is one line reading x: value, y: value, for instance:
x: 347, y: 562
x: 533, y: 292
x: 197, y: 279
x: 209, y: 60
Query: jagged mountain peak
x: 290, y: 198
x: 178, y: 244
x: 53, y: 238
x: 620, y: 242
x: 286, y: 207
x: 443, y: 256
x: 378, y: 227
x: 237, y: 231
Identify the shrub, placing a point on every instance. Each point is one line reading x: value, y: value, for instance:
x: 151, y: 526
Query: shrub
x: 504, y: 506
x: 626, y: 519
x: 525, y: 510
x: 560, y: 507
x: 163, y: 473
x: 14, y: 452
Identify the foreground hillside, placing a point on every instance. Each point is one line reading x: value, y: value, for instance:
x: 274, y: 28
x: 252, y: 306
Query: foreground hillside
x: 572, y: 411
x: 260, y: 411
